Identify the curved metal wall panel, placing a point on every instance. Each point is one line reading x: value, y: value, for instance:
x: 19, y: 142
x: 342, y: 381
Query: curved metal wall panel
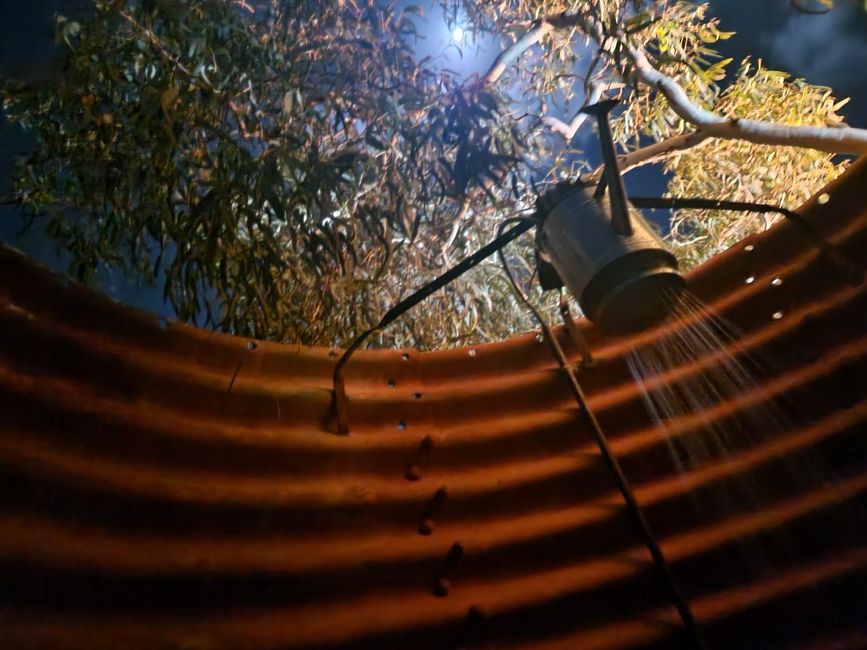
x: 168, y: 487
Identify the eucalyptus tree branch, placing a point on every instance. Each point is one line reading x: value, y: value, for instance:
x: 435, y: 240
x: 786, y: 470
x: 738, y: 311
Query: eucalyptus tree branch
x: 568, y: 130
x: 156, y: 43
x: 654, y: 152
x: 831, y: 139
x: 822, y: 138
x: 510, y: 54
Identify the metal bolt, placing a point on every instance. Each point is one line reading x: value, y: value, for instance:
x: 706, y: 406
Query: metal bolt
x: 441, y: 589
x: 426, y: 527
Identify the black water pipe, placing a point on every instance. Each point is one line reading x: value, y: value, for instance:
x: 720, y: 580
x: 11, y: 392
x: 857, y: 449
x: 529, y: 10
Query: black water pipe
x: 339, y: 384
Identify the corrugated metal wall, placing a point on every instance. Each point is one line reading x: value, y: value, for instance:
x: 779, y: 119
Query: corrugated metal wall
x: 168, y: 487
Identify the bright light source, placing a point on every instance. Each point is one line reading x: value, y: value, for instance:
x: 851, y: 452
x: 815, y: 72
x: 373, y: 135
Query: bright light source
x: 458, y: 33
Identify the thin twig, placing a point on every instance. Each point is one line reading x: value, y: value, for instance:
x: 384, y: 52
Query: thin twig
x: 653, y: 152
x: 510, y: 54
x: 569, y: 130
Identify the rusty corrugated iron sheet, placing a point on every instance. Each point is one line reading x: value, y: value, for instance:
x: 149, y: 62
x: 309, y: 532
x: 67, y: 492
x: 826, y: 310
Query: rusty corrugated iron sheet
x: 168, y: 487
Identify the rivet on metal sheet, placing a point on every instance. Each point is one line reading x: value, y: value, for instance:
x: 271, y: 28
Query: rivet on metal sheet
x: 427, y: 443
x: 476, y: 624
x: 777, y: 315
x: 416, y: 396
x: 823, y: 198
x: 750, y: 279
x: 426, y: 527
x: 434, y: 508
x: 442, y: 587
x: 401, y: 426
x: 777, y: 281
x: 413, y: 473
x: 454, y: 555
x: 472, y: 353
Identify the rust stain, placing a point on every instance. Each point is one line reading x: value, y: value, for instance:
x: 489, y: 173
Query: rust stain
x: 156, y: 497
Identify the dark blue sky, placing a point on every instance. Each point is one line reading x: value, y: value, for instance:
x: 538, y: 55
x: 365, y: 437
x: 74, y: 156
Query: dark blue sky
x: 829, y: 49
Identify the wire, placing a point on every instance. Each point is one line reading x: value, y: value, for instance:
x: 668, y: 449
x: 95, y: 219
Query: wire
x: 502, y: 239
x: 853, y: 272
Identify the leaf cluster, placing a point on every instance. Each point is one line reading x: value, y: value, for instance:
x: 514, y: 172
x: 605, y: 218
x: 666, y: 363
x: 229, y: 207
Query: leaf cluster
x: 288, y: 173
x: 290, y: 169
x: 742, y: 171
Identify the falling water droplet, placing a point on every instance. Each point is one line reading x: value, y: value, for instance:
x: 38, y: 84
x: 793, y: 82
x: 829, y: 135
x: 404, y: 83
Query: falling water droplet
x: 708, y: 396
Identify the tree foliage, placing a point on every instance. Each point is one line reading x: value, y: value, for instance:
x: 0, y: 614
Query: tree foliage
x: 290, y: 169
x: 780, y: 176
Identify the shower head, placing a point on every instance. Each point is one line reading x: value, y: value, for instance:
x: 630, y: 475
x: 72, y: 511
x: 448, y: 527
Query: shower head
x: 608, y: 256
x: 623, y: 282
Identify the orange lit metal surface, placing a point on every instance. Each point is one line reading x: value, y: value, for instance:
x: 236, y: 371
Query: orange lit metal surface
x: 169, y: 487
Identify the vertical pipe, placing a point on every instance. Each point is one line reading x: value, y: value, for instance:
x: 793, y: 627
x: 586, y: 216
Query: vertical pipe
x: 616, y: 192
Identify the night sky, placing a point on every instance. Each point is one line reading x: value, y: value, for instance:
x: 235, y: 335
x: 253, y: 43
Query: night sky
x: 829, y: 49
